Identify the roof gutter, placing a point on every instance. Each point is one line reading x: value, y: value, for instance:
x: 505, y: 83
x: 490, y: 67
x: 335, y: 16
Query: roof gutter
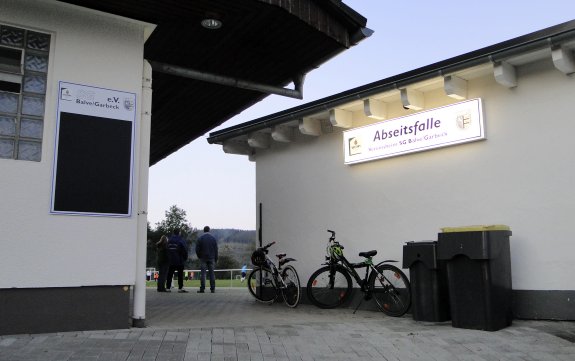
x: 493, y: 54
x: 351, y: 15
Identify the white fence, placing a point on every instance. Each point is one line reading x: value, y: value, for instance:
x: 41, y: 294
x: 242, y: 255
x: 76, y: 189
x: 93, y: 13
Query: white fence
x: 231, y: 274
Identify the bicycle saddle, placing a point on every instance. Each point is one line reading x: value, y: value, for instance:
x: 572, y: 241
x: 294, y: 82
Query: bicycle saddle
x: 281, y: 255
x: 368, y: 254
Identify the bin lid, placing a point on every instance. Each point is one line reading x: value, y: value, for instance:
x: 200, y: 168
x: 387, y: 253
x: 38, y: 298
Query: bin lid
x: 424, y: 252
x: 476, y: 228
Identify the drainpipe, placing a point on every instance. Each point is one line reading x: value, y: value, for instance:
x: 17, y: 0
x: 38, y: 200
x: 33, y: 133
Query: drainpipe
x: 139, y: 311
x: 296, y: 93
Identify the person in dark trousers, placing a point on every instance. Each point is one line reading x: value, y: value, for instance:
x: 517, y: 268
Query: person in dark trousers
x: 207, y: 252
x: 177, y: 254
x: 163, y: 263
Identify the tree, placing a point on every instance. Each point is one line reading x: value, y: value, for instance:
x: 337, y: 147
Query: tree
x: 226, y: 259
x: 175, y: 218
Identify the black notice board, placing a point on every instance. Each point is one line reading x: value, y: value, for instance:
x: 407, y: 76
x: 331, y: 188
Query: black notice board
x: 93, y: 168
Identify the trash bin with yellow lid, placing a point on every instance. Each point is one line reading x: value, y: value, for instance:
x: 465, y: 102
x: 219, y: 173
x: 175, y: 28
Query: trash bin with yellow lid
x: 478, y: 261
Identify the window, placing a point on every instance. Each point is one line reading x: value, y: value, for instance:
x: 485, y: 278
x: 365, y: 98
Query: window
x: 23, y: 74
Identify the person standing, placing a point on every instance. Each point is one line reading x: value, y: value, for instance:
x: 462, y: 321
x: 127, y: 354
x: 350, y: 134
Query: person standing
x: 163, y: 263
x: 207, y: 252
x: 244, y: 271
x: 177, y: 254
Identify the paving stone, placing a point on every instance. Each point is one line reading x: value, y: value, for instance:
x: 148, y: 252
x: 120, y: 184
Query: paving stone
x: 231, y: 327
x: 7, y: 342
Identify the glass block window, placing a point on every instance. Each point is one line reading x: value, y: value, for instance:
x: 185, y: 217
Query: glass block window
x: 24, y: 58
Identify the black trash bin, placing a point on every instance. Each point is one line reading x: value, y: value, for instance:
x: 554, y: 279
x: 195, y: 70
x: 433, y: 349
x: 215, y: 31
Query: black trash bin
x: 478, y: 262
x: 428, y: 278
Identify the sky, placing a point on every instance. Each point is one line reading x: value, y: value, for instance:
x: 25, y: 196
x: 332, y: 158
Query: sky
x: 218, y: 189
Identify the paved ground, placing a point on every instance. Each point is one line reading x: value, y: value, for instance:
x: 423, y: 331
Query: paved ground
x: 230, y: 325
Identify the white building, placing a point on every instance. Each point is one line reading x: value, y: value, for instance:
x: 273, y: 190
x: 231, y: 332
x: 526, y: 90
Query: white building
x: 77, y: 133
x: 501, y: 153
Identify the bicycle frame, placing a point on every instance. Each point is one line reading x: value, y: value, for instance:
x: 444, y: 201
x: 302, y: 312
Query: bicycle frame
x: 279, y: 283
x: 269, y: 282
x: 331, y: 285
x: 337, y: 257
x: 351, y: 268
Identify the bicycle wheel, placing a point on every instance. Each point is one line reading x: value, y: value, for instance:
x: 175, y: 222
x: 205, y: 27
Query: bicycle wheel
x: 261, y: 285
x: 292, y: 291
x: 328, y: 290
x: 390, y: 289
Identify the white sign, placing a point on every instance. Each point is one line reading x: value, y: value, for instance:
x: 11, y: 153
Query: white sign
x: 100, y: 102
x: 94, y: 151
x: 440, y: 127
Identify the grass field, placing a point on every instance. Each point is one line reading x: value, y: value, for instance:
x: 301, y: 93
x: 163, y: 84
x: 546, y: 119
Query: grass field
x: 196, y: 283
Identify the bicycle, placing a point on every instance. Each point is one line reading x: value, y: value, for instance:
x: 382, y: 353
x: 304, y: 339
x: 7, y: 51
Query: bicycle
x: 268, y: 283
x: 331, y: 285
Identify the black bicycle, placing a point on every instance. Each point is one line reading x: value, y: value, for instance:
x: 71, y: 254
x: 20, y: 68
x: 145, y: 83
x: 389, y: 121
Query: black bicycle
x: 331, y: 285
x: 268, y: 283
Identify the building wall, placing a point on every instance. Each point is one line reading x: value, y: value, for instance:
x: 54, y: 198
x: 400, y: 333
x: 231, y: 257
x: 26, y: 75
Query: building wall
x: 40, y: 250
x: 521, y: 176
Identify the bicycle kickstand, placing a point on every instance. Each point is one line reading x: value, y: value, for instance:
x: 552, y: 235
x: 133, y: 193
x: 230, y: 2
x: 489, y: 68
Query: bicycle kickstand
x: 359, y: 304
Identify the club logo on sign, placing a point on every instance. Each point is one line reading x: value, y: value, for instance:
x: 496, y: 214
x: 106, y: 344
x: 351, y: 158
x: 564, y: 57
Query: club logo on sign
x: 128, y: 104
x: 354, y: 146
x: 463, y: 120
x: 66, y: 94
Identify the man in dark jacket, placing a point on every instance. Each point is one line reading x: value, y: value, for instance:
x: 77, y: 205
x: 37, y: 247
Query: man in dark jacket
x: 207, y: 252
x: 177, y: 254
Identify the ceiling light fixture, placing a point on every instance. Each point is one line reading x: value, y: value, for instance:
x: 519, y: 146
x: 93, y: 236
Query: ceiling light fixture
x: 211, y: 24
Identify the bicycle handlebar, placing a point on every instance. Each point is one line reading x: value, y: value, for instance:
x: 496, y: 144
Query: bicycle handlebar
x: 269, y: 245
x: 332, y: 238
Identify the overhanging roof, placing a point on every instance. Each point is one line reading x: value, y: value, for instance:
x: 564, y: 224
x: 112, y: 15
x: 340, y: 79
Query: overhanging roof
x: 559, y: 40
x: 263, y: 41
